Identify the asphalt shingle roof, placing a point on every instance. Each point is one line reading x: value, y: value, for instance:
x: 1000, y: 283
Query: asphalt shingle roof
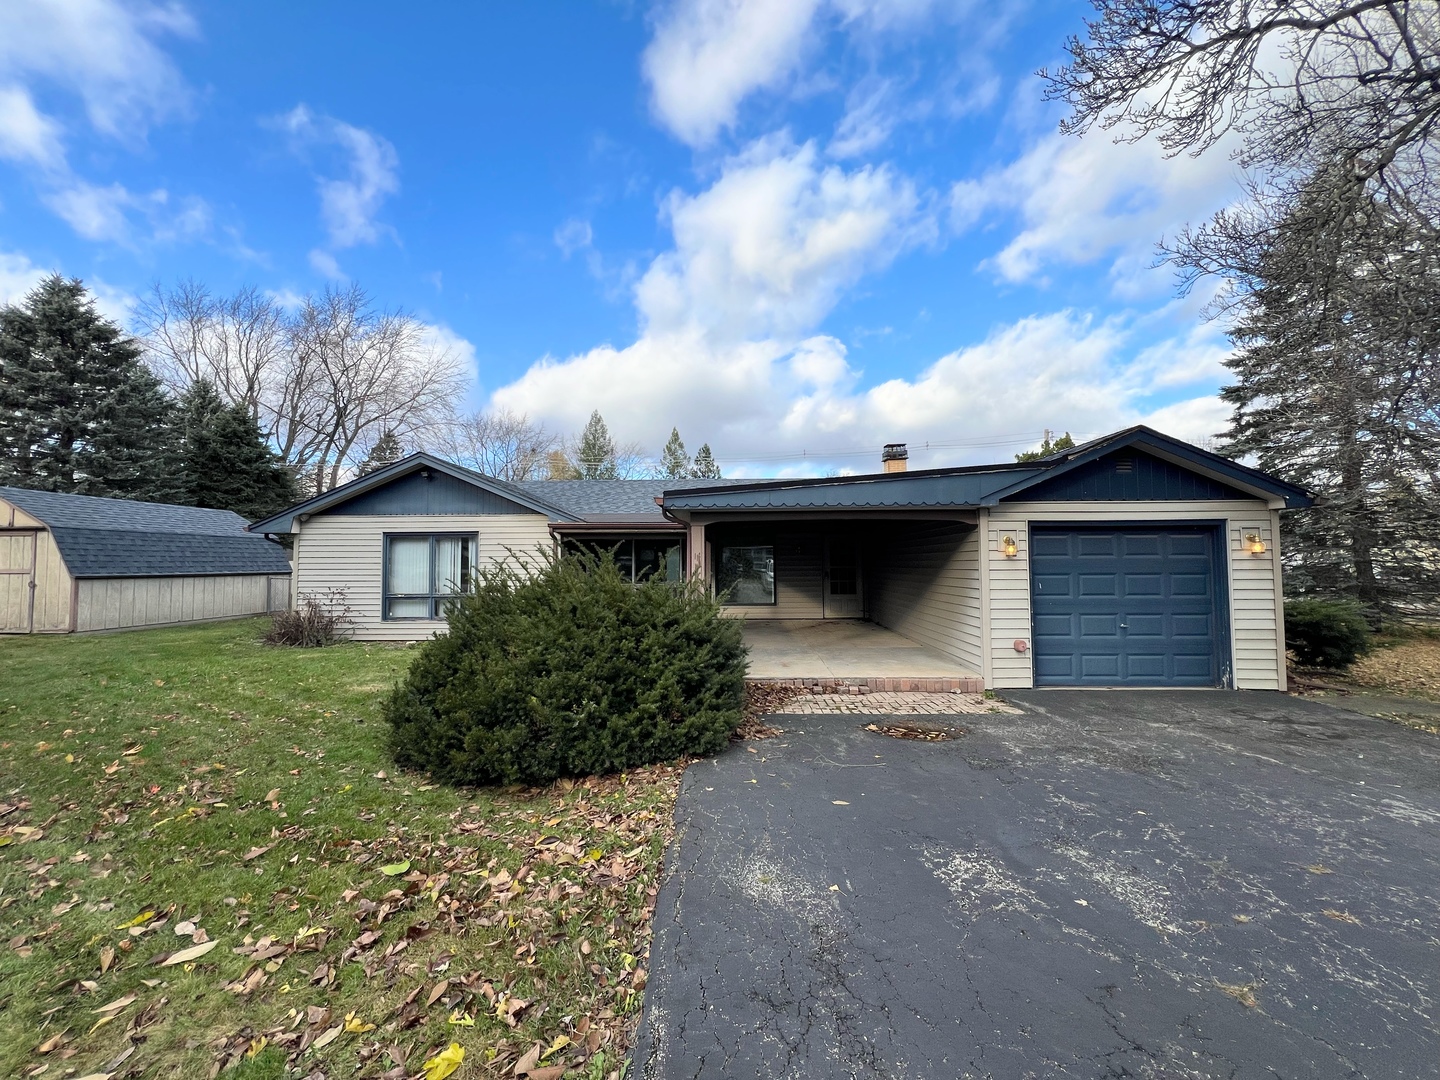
x: 123, y: 538
x: 612, y: 497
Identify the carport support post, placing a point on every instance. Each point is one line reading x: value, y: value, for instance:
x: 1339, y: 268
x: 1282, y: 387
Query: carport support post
x: 696, y: 547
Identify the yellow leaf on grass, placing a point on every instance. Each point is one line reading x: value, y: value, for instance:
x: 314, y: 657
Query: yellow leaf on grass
x: 461, y: 1019
x: 445, y: 1062
x: 355, y: 1026
x: 395, y: 869
x: 256, y: 1046
x: 561, y: 1041
x: 138, y: 920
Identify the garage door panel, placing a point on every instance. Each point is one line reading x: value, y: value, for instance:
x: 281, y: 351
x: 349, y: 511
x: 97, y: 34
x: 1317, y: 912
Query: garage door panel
x: 1125, y: 606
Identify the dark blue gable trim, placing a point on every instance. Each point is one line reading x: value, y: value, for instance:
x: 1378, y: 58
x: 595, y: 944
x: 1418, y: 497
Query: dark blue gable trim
x: 438, y: 493
x: 1130, y: 475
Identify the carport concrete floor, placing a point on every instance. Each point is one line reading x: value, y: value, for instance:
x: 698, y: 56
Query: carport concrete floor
x: 1109, y: 884
x: 840, y: 649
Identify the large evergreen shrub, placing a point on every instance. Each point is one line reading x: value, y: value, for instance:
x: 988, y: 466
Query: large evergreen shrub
x: 1329, y: 634
x: 565, y: 668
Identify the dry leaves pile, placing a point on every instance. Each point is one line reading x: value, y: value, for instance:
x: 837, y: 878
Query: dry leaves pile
x: 1409, y: 667
x: 901, y: 729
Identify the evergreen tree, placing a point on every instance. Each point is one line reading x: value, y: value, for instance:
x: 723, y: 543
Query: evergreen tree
x: 1048, y: 446
x: 705, y: 466
x: 1336, y: 362
x: 596, y: 457
x: 226, y: 462
x: 386, y: 451
x: 79, y: 412
x: 674, y: 461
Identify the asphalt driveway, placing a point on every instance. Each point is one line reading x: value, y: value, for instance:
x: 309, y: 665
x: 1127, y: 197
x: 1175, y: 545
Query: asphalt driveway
x: 1159, y: 885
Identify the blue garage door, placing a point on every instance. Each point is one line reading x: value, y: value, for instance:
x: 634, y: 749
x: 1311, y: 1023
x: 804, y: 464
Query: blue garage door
x: 1125, y: 607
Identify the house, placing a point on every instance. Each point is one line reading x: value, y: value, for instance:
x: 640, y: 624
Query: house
x: 1133, y: 560
x: 73, y: 563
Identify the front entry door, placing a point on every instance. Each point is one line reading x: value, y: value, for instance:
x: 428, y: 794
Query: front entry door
x: 842, y: 579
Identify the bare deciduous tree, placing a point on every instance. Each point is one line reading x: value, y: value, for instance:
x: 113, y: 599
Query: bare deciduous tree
x: 324, y: 381
x: 500, y: 443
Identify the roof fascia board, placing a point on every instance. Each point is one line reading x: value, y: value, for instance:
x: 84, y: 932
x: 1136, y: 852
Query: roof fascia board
x: 802, y: 483
x: 404, y: 467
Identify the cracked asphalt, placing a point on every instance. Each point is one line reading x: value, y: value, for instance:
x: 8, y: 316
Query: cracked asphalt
x: 1131, y: 884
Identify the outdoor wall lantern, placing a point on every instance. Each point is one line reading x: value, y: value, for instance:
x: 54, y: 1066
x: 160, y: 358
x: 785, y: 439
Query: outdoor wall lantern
x: 1255, y: 542
x: 1008, y: 547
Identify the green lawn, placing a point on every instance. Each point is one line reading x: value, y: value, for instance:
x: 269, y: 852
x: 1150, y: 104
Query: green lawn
x: 161, y: 790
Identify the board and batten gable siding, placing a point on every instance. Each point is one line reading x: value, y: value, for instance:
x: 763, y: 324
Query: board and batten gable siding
x: 26, y: 545
x: 131, y: 602
x: 1255, y: 601
x: 925, y: 585
x: 346, y: 551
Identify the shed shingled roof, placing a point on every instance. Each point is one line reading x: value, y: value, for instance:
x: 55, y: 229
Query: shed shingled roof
x: 124, y: 538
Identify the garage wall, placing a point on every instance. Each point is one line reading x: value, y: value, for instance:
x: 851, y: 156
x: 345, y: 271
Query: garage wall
x: 1256, y: 620
x: 347, y: 551
x: 126, y: 603
x: 926, y: 585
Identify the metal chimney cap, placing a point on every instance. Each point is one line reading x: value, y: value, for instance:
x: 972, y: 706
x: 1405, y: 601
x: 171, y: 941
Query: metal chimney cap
x: 894, y: 451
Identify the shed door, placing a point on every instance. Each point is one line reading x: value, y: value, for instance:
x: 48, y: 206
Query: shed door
x: 1126, y: 607
x: 17, y: 581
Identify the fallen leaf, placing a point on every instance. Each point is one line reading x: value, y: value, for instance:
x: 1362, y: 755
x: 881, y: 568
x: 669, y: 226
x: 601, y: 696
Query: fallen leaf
x: 548, y: 1072
x: 445, y: 1062
x: 327, y: 1038
x: 51, y: 1044
x: 528, y: 1061
x: 395, y: 869
x: 355, y: 1026
x: 107, y: 957
x: 1340, y: 916
x: 184, y: 929
x: 116, y: 1005
x: 1245, y: 994
x: 184, y: 956
x: 1319, y: 869
x: 839, y: 802
x: 461, y: 1019
x: 437, y: 993
x: 256, y: 852
x: 138, y: 920
x: 561, y: 1041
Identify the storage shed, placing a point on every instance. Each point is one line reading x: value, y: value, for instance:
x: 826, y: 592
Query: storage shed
x: 73, y: 563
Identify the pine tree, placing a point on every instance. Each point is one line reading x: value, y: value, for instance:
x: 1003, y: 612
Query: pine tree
x: 226, y: 462
x: 79, y: 411
x: 705, y: 466
x: 595, y: 455
x: 1048, y: 446
x: 386, y: 451
x: 674, y: 461
x: 1337, y: 353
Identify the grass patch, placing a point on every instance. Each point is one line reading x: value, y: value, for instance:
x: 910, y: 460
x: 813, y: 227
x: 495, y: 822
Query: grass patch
x: 161, y: 790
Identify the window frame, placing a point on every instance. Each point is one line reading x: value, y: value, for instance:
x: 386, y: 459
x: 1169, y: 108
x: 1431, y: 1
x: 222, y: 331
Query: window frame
x: 582, y: 543
x: 774, y: 575
x: 435, y: 597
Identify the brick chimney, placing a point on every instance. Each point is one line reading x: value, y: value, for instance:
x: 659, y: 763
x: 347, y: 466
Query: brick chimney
x: 893, y: 457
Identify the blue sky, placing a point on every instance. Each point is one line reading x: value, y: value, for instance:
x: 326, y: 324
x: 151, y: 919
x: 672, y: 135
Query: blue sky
x: 798, y: 229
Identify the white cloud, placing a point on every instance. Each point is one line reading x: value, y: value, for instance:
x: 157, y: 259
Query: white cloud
x: 326, y: 265
x: 110, y: 213
x: 707, y: 56
x: 102, y: 51
x: 770, y: 246
x: 574, y: 235
x: 348, y: 204
x: 730, y: 348
x: 27, y: 135
x: 18, y: 275
x: 1080, y: 201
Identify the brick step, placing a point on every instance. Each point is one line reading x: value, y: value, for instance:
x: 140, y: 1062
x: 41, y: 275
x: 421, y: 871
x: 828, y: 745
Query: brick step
x: 968, y: 684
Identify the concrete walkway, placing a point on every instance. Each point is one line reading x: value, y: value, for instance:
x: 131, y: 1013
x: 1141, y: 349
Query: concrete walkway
x: 844, y: 649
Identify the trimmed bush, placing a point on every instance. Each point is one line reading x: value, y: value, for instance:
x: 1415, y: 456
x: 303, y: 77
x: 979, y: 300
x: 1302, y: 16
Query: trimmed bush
x: 1329, y: 634
x: 565, y: 669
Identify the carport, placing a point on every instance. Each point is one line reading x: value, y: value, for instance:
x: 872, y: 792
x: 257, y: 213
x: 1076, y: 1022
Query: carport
x: 849, y: 653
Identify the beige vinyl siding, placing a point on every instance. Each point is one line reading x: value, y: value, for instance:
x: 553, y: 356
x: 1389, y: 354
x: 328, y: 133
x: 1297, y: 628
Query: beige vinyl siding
x: 925, y: 584
x: 1256, y: 636
x: 799, y: 577
x: 347, y: 552
x: 26, y: 543
x: 127, y: 603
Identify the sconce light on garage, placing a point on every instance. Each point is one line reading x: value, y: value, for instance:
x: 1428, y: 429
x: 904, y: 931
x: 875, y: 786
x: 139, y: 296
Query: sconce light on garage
x: 1008, y: 547
x: 1255, y: 543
